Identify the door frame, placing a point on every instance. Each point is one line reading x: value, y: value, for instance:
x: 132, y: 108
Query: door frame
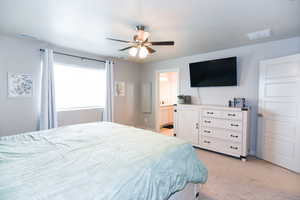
x: 157, y: 91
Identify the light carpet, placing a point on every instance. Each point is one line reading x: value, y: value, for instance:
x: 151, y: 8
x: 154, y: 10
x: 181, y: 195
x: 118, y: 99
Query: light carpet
x: 232, y: 179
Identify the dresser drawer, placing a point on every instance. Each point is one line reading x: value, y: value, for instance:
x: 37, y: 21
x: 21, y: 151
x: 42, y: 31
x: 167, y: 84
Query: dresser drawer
x: 233, y: 125
x: 222, y: 134
x: 232, y: 148
x: 207, y: 122
x: 211, y: 113
x: 209, y: 143
x: 233, y: 115
x: 222, y: 146
x: 223, y: 114
x: 222, y: 123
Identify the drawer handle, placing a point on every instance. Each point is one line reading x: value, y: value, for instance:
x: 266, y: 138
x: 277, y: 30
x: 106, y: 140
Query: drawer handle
x: 206, y: 131
x: 235, y: 125
x: 206, y: 121
x: 210, y: 113
x: 232, y: 147
x: 231, y: 115
x: 205, y: 141
x: 234, y: 136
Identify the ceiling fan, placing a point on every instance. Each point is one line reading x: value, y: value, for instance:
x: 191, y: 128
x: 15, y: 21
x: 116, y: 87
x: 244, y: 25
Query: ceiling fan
x: 141, y: 45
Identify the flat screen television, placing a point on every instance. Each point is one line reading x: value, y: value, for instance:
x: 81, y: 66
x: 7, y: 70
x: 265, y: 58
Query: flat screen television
x: 220, y: 72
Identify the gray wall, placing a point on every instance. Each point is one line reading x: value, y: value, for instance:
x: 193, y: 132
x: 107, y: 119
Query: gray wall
x: 127, y: 108
x: 248, y: 62
x: 23, y: 56
x: 18, y: 55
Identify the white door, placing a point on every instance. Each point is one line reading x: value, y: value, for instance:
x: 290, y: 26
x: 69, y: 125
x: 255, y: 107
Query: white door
x: 187, y: 124
x: 278, y: 139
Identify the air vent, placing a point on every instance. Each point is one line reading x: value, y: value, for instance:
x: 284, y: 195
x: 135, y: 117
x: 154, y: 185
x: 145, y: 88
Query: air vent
x: 24, y: 35
x: 259, y: 34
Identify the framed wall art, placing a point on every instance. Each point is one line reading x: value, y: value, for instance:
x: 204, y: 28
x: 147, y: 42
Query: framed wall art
x: 19, y: 85
x: 120, y: 88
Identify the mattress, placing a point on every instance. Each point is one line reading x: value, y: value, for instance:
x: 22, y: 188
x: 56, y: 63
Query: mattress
x: 96, y: 161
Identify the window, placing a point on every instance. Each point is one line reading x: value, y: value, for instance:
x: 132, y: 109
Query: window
x: 79, y: 86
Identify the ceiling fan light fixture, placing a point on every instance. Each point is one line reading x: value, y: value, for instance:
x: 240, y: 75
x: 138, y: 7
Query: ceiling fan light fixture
x: 133, y: 51
x: 140, y: 45
x: 143, y: 53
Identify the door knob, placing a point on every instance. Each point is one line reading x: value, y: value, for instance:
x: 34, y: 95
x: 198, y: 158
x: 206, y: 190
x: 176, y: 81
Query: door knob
x: 260, y: 115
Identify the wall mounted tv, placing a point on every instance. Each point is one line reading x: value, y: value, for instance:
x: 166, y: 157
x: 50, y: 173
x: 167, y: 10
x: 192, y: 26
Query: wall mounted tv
x: 220, y: 72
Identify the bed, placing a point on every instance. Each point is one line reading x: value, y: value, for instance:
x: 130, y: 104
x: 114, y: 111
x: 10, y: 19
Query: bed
x: 98, y: 161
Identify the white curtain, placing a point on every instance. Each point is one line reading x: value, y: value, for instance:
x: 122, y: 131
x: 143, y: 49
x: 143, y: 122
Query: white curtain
x: 108, y: 110
x: 48, y: 115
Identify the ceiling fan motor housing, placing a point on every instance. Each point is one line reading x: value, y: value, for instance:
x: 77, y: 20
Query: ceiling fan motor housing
x: 140, y: 28
x: 142, y: 35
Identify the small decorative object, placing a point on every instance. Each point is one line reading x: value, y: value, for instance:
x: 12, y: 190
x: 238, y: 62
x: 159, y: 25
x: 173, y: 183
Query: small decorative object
x: 180, y: 99
x: 183, y: 99
x: 19, y: 85
x: 187, y: 99
x: 239, y: 102
x: 120, y: 88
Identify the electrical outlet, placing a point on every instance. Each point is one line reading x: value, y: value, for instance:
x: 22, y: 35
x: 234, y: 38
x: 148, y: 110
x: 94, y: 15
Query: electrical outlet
x: 146, y: 120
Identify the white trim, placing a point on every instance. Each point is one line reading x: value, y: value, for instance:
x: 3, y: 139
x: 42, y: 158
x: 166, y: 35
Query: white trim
x: 79, y: 108
x: 112, y: 93
x: 156, y: 94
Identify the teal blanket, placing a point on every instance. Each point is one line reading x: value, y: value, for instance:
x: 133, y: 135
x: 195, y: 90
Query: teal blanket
x: 96, y: 161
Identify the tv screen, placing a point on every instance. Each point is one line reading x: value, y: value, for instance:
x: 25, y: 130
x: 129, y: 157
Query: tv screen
x: 220, y: 72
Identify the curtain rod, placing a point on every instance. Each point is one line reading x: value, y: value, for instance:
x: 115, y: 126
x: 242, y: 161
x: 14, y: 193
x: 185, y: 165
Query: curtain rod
x: 84, y: 58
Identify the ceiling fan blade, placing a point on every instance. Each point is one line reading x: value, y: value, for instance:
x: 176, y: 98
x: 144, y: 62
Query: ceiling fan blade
x: 146, y: 41
x: 117, y: 40
x: 125, y: 48
x: 150, y: 49
x: 169, y: 43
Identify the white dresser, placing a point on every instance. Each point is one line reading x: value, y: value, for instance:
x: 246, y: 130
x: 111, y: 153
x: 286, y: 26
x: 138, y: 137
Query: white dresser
x: 216, y: 128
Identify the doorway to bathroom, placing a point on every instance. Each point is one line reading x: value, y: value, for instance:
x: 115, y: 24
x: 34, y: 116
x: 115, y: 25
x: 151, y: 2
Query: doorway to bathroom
x: 167, y: 91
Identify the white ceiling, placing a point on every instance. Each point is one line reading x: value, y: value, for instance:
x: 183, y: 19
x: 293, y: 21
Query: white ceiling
x: 196, y: 26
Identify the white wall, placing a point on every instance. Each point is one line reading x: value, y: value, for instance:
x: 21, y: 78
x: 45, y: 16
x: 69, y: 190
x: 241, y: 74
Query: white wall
x: 18, y: 55
x: 70, y: 117
x: 248, y: 62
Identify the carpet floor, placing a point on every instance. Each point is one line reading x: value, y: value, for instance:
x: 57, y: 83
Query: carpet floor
x: 232, y: 179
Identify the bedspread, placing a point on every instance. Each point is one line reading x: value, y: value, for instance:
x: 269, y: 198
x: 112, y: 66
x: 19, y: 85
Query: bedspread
x: 96, y: 161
